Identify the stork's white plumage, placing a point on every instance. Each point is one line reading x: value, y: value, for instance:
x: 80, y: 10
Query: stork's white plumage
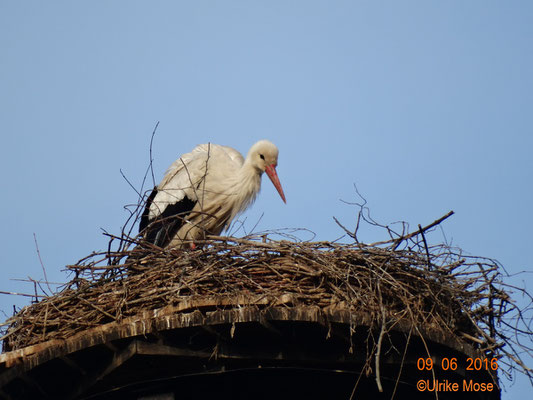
x: 204, y: 190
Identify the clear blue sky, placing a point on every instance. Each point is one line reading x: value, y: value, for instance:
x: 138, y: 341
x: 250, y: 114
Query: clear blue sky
x: 425, y: 105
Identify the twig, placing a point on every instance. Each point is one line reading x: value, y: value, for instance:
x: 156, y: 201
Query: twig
x: 21, y: 294
x: 380, y: 340
x: 42, y: 264
x: 151, y: 158
x: 420, y: 230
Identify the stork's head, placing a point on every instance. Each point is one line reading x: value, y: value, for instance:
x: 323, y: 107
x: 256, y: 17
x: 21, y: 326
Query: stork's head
x: 264, y: 157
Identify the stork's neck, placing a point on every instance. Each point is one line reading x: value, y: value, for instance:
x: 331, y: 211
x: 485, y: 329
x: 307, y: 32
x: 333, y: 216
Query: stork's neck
x: 246, y: 186
x: 249, y: 177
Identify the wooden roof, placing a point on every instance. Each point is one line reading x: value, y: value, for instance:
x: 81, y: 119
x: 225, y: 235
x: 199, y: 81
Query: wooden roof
x: 226, y: 347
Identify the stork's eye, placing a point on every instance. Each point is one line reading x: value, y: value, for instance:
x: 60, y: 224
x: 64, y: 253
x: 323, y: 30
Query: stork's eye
x: 262, y: 156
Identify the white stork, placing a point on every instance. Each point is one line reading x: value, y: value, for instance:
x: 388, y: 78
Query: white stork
x: 204, y: 190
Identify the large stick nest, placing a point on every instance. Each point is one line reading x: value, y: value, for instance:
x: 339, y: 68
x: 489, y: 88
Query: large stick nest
x: 458, y: 297
x: 432, y: 288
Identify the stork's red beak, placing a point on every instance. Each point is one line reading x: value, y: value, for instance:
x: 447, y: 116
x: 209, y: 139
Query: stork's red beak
x: 273, y: 175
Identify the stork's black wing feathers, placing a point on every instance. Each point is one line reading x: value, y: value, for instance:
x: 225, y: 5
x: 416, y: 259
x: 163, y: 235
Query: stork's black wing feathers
x: 162, y: 229
x: 145, y: 215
